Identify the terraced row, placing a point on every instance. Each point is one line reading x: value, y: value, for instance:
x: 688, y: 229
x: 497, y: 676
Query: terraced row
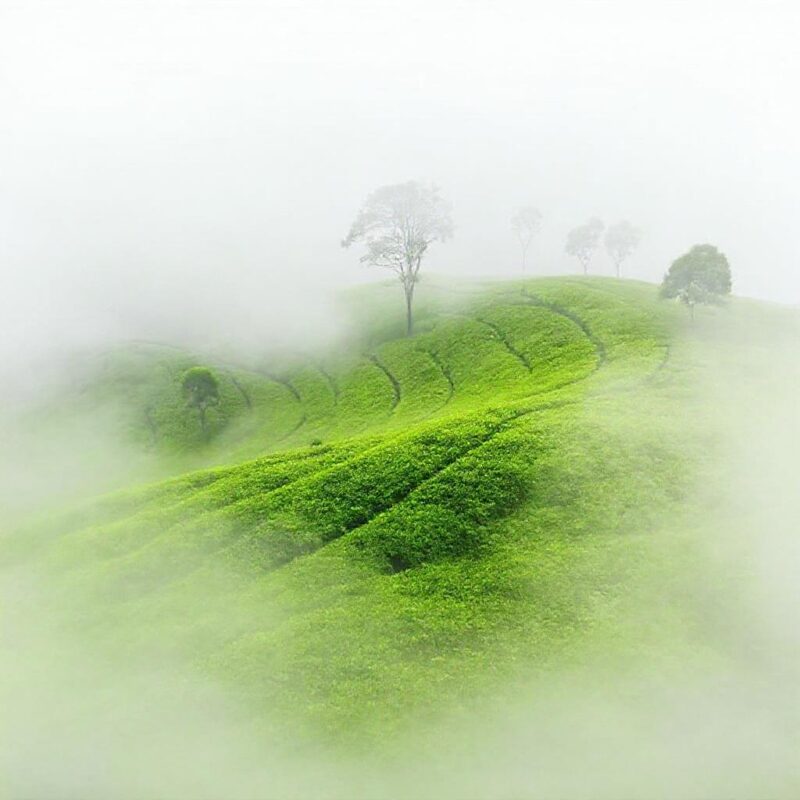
x: 267, y: 513
x: 515, y: 345
x: 499, y: 352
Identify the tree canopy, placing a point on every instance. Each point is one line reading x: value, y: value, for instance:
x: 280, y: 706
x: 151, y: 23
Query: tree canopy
x: 398, y: 223
x: 702, y: 275
x: 620, y: 241
x: 201, y: 390
x: 583, y: 240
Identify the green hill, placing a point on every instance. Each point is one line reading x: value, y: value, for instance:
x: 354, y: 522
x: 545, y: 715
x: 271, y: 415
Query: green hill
x: 396, y: 530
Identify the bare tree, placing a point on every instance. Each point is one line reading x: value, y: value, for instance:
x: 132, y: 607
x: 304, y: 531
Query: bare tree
x: 397, y: 224
x: 621, y: 240
x: 526, y: 223
x: 583, y: 240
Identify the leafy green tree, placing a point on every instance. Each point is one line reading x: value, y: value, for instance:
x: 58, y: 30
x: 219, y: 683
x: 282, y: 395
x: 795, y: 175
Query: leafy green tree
x: 201, y: 390
x: 702, y: 275
x: 398, y: 223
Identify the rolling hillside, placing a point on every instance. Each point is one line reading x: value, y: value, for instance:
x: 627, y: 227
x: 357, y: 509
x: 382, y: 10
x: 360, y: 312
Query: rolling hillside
x: 399, y: 529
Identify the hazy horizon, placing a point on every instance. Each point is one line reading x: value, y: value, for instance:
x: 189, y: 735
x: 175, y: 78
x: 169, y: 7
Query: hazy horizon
x: 535, y: 541
x: 169, y: 167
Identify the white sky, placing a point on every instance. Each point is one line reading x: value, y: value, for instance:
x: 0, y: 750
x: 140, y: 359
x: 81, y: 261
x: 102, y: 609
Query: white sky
x: 168, y: 162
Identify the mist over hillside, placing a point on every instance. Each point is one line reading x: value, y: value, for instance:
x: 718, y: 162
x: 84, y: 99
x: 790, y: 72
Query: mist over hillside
x: 500, y: 547
x: 399, y: 400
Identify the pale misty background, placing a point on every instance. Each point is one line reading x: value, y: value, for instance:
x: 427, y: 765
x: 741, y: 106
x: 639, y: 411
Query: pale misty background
x: 185, y: 170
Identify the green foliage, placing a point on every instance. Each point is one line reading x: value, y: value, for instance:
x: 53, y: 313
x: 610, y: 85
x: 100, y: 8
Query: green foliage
x: 702, y: 275
x: 201, y: 390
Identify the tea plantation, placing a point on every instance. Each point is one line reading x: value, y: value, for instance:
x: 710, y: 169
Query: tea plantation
x: 389, y: 529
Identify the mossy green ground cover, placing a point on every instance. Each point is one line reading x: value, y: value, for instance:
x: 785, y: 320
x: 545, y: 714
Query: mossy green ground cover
x: 396, y: 529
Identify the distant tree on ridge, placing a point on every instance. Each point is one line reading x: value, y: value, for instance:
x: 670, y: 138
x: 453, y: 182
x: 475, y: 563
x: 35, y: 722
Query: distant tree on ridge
x: 583, y: 240
x: 702, y: 275
x: 526, y: 223
x: 398, y: 223
x: 620, y: 241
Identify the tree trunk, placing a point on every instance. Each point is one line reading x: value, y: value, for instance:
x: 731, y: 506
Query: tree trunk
x: 617, y: 265
x: 409, y: 316
x: 202, y: 411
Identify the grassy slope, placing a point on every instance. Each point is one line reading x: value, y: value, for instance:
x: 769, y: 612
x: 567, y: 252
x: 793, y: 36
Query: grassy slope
x: 477, y: 500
